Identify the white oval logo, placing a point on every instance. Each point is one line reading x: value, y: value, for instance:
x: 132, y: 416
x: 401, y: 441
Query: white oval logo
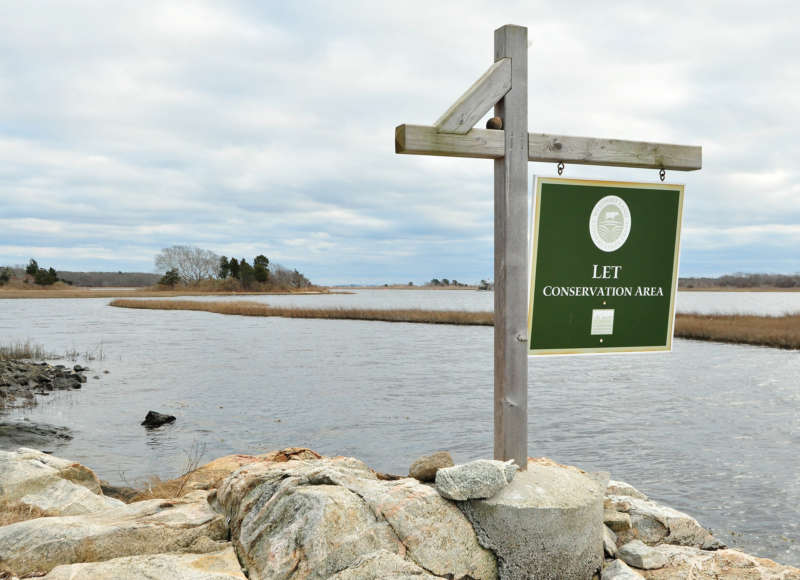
x: 610, y: 223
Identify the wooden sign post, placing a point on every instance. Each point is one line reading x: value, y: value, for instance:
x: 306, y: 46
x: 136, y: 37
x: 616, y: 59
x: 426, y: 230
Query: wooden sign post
x: 505, y: 87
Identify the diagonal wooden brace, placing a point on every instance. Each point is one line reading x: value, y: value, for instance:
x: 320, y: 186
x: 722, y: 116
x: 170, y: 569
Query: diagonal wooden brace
x: 478, y: 100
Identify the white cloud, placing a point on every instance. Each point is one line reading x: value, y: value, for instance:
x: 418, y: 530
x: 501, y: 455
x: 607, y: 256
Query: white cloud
x: 264, y: 127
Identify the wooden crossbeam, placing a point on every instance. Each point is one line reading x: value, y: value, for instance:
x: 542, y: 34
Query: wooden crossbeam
x: 478, y: 100
x: 489, y: 144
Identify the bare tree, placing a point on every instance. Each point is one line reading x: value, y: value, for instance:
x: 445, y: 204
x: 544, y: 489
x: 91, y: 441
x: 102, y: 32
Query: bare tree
x: 192, y: 263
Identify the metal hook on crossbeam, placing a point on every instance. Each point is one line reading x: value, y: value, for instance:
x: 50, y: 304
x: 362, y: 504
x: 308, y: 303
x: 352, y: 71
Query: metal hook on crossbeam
x: 560, y: 167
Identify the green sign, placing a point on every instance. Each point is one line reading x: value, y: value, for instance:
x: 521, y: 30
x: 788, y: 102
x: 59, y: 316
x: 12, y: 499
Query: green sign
x: 604, y: 266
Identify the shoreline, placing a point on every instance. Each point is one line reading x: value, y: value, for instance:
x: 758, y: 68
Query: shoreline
x: 14, y: 294
x: 263, y: 515
x: 769, y: 331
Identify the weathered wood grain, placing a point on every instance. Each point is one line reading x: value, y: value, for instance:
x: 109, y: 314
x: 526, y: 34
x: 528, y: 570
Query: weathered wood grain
x: 490, y: 144
x: 425, y: 140
x: 510, y: 255
x: 477, y: 100
x: 613, y: 152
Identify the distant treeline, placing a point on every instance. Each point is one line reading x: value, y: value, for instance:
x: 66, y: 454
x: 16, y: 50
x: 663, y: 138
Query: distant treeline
x: 739, y: 280
x: 43, y: 277
x: 110, y: 279
x: 201, y: 268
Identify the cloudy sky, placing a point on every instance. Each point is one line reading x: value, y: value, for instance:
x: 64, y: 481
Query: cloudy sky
x: 268, y: 127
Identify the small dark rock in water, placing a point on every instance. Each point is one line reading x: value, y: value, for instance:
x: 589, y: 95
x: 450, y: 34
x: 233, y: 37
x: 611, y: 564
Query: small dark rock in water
x: 156, y: 419
x: 79, y: 368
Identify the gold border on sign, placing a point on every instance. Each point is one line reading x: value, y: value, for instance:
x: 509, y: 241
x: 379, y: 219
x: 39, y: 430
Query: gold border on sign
x: 537, y: 199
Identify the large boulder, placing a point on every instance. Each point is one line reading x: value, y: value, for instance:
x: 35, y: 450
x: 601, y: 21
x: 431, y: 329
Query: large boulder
x: 313, y: 518
x: 546, y: 524
x: 221, y: 565
x: 211, y: 474
x: 147, y: 527
x: 690, y: 562
x: 50, y: 484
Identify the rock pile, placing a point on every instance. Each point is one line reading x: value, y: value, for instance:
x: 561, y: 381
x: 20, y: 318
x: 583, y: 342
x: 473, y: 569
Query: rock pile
x: 294, y: 514
x: 644, y: 539
x: 20, y: 381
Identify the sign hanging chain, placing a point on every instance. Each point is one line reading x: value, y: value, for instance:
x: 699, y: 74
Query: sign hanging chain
x: 561, y: 168
x: 662, y: 174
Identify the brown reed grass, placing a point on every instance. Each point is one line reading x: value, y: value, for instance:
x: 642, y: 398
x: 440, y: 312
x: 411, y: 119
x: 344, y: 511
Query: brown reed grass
x: 774, y: 331
x: 244, y: 308
x: 779, y: 332
x: 22, y: 351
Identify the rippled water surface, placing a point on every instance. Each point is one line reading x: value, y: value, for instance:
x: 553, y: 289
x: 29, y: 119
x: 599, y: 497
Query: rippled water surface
x: 710, y: 429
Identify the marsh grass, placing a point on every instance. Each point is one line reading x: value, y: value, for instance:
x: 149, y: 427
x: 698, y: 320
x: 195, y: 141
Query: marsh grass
x: 244, y: 308
x: 23, y: 351
x: 779, y: 332
x: 774, y: 331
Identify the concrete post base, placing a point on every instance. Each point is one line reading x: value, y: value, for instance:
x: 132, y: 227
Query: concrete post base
x: 546, y: 524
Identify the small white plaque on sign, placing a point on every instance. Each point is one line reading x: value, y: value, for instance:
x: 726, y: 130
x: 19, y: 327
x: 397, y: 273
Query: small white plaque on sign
x: 603, y: 321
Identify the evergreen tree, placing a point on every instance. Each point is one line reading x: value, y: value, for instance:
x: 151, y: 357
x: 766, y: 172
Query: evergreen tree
x: 32, y: 268
x: 45, y: 277
x: 171, y: 278
x: 233, y: 267
x: 246, y: 273
x: 224, y: 268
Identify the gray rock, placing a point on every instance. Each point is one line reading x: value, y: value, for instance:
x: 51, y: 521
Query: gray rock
x: 319, y: 517
x: 654, y: 523
x: 221, y: 565
x: 617, y: 521
x: 547, y: 524
x: 713, y: 544
x: 478, y: 479
x: 146, y: 527
x: 689, y: 562
x: 609, y: 542
x: 639, y: 555
x: 623, y: 489
x: 425, y: 468
x: 618, y: 570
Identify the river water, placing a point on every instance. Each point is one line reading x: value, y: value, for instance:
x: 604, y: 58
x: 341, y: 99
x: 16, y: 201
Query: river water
x: 710, y: 429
